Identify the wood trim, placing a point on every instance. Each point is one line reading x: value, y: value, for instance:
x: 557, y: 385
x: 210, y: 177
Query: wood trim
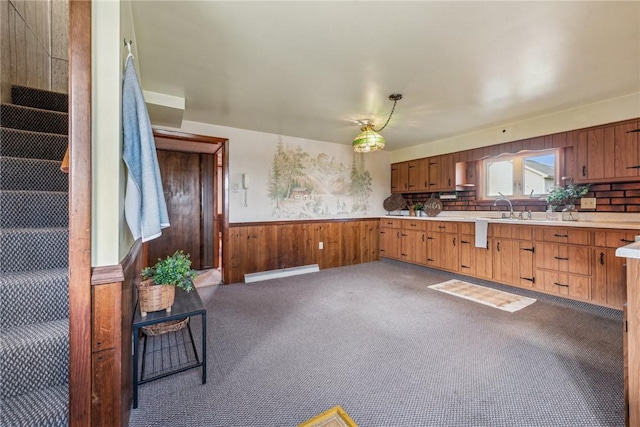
x: 310, y: 221
x: 116, y: 273
x: 107, y: 274
x: 185, y: 146
x: 208, y: 239
x: 226, y: 255
x: 79, y: 213
x: 184, y: 136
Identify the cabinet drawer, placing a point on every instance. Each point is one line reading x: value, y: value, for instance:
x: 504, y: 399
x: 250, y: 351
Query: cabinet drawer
x: 508, y: 231
x: 390, y: 223
x: 614, y: 239
x: 414, y: 225
x: 563, y: 235
x: 565, y: 284
x: 442, y: 226
x: 562, y: 258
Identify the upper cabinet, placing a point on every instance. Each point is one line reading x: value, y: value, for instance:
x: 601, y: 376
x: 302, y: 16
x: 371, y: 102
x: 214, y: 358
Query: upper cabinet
x: 428, y: 174
x: 608, y: 153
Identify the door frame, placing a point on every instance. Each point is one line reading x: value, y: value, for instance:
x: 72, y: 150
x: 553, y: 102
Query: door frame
x: 169, y: 140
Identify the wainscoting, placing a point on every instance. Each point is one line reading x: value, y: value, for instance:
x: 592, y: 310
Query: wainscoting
x: 112, y: 304
x: 256, y: 247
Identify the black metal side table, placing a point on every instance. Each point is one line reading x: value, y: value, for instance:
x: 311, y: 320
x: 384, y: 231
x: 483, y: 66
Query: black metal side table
x: 187, y: 304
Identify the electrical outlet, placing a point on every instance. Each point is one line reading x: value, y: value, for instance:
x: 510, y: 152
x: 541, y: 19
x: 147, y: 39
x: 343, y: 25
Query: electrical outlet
x: 234, y: 188
x: 588, y: 203
x: 320, y: 245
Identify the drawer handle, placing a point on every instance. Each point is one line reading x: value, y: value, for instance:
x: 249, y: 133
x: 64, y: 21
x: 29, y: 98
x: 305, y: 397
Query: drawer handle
x: 584, y: 170
x: 454, y: 241
x: 414, y: 225
x: 404, y: 235
x: 559, y: 258
x: 464, y: 241
x: 529, y: 279
x: 423, y: 237
x: 429, y: 259
x: 601, y: 258
x: 464, y: 266
x: 429, y: 238
x: 498, y: 247
x: 627, y: 241
x: 442, y: 226
x: 533, y: 250
x: 561, y: 235
x: 560, y: 284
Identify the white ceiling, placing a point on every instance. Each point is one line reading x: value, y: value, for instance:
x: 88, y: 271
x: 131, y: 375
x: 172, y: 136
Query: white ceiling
x: 310, y: 68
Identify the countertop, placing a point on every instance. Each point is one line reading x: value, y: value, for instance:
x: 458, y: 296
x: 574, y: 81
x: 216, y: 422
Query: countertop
x: 632, y: 250
x: 624, y: 221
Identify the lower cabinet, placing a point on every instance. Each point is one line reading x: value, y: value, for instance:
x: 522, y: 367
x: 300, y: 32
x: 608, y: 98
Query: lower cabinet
x: 475, y: 261
x: 573, y: 262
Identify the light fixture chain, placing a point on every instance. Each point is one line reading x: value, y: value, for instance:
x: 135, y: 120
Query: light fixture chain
x: 395, y: 101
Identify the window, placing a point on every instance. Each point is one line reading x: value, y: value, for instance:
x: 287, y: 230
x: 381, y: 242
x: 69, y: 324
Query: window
x: 522, y: 175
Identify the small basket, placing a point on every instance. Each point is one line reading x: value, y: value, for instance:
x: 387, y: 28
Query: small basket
x: 155, y: 297
x: 165, y: 327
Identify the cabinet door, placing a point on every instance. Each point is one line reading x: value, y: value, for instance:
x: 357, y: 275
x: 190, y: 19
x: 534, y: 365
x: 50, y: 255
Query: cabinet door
x: 595, y: 154
x: 407, y: 244
x: 505, y: 256
x: 395, y: 178
x: 423, y: 172
x: 434, y: 249
x: 627, y: 162
x: 570, y: 285
x: 413, y: 175
x: 400, y: 177
x: 447, y: 173
x: 434, y: 173
x: 609, y: 278
x: 451, y: 260
x: 351, y: 243
x: 525, y: 256
x: 420, y: 248
x: 390, y: 243
x: 474, y: 261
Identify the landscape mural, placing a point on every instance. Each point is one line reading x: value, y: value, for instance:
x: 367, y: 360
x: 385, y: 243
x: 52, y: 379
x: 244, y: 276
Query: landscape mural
x: 302, y: 186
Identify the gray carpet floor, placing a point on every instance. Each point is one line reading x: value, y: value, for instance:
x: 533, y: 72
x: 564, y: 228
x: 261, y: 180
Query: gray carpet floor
x: 375, y: 340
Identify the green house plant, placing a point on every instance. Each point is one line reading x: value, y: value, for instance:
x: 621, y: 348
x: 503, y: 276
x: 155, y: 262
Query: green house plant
x: 567, y: 195
x: 157, y: 289
x: 419, y: 208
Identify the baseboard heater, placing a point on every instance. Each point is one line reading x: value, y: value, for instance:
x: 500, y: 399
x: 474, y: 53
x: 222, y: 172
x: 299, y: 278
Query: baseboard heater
x: 283, y: 272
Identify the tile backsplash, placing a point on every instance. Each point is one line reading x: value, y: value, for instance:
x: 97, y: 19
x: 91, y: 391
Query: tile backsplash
x: 614, y: 197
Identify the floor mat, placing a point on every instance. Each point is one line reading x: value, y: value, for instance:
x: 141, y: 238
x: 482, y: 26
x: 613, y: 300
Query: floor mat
x: 487, y: 296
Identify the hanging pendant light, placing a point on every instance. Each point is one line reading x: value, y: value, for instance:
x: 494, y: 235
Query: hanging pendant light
x: 369, y: 139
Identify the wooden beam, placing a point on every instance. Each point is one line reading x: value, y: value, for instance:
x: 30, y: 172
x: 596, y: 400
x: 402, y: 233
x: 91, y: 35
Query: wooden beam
x: 79, y: 213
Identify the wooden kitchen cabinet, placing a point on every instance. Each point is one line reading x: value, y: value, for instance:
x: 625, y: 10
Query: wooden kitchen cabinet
x: 413, y: 245
x: 570, y: 285
x: 474, y: 261
x: 513, y: 262
x: 443, y: 245
x: 608, y: 153
x: 609, y: 272
x: 442, y: 173
x: 390, y: 238
x: 400, y: 177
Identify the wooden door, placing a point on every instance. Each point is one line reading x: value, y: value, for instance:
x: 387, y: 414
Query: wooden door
x: 627, y: 161
x: 609, y: 278
x: 351, y: 243
x: 526, y: 277
x: 447, y: 172
x: 395, y: 178
x: 450, y: 260
x: 434, y: 173
x: 423, y: 175
x: 182, y: 191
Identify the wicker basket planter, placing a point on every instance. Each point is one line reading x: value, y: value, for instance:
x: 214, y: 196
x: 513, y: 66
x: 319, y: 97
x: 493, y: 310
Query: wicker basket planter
x: 165, y: 327
x: 155, y: 297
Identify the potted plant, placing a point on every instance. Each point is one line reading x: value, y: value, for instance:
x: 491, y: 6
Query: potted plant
x: 567, y: 196
x: 419, y: 207
x: 157, y: 289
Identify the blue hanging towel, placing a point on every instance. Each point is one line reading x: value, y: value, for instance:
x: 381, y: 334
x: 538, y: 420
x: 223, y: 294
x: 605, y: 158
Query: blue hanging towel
x: 145, y: 208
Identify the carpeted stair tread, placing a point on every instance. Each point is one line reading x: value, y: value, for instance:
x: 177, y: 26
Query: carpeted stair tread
x: 39, y: 98
x: 32, y: 175
x: 25, y: 249
x: 33, y: 209
x: 51, y: 404
x: 34, y: 297
x: 34, y: 119
x: 34, y: 356
x: 32, y: 145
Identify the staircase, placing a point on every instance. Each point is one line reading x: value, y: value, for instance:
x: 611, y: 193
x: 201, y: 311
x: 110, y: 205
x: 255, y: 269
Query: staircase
x: 34, y: 303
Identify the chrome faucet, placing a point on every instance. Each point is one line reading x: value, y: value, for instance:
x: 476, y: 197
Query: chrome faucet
x: 503, y: 198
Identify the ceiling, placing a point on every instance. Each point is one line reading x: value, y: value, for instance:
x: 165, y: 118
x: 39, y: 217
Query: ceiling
x: 311, y: 68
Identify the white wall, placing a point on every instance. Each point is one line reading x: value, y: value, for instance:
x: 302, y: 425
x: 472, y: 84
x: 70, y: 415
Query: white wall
x: 253, y: 153
x: 611, y: 110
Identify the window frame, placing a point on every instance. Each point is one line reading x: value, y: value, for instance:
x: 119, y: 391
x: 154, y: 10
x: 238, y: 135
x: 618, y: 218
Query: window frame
x: 518, y: 177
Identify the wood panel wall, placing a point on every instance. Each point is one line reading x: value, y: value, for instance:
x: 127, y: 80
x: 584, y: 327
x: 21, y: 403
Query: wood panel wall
x: 112, y: 304
x: 257, y: 247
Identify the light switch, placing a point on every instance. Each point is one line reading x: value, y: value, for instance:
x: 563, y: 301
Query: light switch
x: 588, y: 203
